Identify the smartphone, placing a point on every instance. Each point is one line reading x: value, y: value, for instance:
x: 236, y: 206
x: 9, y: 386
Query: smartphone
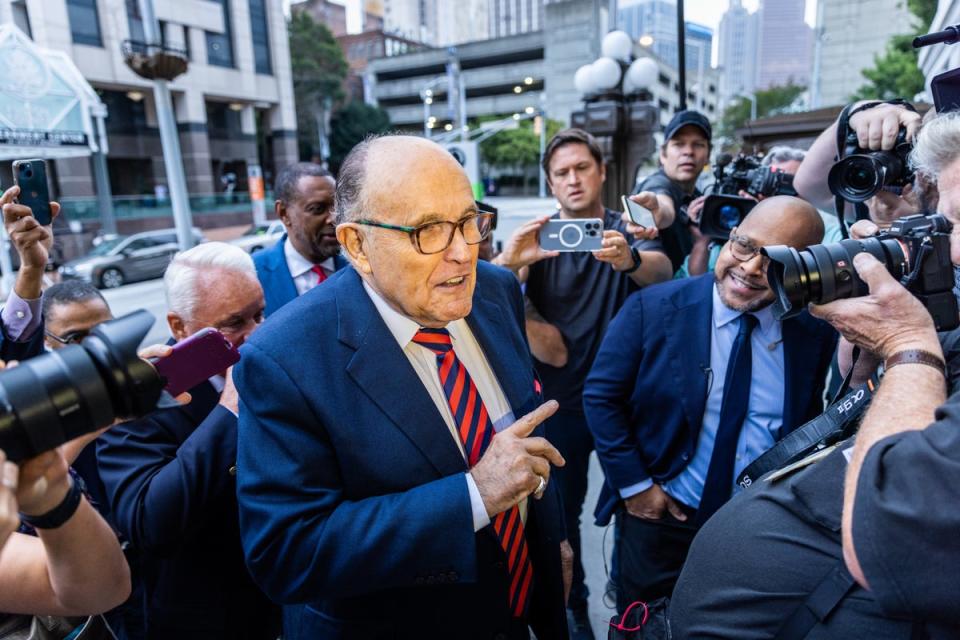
x: 572, y: 235
x: 31, y: 177
x: 638, y: 215
x: 195, y: 359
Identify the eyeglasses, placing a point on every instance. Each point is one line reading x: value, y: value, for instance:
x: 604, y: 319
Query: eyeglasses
x: 71, y: 337
x: 435, y: 237
x: 743, y: 250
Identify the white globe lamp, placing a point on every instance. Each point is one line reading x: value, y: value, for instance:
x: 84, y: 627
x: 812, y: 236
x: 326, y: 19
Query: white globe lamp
x: 617, y: 45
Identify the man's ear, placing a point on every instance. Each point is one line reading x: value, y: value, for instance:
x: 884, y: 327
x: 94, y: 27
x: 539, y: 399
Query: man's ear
x: 281, y: 210
x: 177, y: 326
x: 351, y: 239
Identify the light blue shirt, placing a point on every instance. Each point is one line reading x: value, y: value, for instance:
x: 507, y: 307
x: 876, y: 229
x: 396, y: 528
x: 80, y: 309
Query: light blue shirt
x: 761, y: 429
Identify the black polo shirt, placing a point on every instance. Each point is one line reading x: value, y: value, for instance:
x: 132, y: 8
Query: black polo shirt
x: 676, y: 239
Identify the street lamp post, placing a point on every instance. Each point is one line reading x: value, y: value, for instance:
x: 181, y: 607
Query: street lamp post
x: 752, y: 97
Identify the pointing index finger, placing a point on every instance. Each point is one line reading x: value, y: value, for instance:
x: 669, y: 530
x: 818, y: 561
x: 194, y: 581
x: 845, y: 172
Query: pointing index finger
x: 525, y: 425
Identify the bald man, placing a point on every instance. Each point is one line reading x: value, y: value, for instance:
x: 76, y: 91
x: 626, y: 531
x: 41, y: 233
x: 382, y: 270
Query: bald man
x: 695, y: 379
x: 392, y: 474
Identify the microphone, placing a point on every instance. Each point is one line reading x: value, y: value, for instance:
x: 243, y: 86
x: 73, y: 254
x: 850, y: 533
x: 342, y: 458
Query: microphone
x: 947, y: 36
x: 723, y: 160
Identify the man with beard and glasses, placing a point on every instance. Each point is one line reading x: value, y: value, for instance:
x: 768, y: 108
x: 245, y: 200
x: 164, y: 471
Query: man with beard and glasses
x: 308, y: 253
x: 695, y: 379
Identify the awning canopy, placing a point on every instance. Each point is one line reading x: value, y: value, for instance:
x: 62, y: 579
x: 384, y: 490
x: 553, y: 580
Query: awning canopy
x: 47, y: 108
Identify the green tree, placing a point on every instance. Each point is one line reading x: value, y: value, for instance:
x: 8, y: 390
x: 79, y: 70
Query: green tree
x: 895, y: 73
x: 350, y: 125
x: 518, y: 147
x: 319, y: 69
x: 769, y: 102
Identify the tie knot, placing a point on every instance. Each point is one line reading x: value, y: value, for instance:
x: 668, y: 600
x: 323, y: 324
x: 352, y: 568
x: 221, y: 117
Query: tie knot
x: 748, y: 322
x: 437, y: 340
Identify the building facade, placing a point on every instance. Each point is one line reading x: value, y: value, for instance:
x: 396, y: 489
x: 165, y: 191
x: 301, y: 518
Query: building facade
x: 785, y: 44
x: 849, y: 35
x: 437, y: 23
x: 941, y: 57
x: 656, y: 22
x: 513, y: 17
x: 738, y: 52
x: 234, y: 106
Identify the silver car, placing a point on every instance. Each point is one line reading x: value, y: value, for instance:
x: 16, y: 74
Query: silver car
x: 260, y: 236
x: 122, y: 259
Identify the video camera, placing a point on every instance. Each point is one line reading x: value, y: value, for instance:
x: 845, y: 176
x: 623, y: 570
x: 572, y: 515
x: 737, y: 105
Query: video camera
x: 64, y: 394
x: 723, y: 211
x: 915, y: 250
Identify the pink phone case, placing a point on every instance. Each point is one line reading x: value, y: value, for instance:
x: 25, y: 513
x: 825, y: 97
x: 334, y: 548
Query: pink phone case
x: 195, y: 359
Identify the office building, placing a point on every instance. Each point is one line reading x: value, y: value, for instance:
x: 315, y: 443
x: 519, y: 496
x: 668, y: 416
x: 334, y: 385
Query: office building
x: 653, y: 23
x: 785, y: 44
x: 738, y: 52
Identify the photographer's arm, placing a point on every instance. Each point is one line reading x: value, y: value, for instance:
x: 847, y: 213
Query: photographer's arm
x: 811, y: 178
x: 53, y: 574
x: 888, y: 321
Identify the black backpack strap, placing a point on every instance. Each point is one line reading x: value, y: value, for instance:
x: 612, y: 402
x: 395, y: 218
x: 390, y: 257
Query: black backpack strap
x: 819, y: 604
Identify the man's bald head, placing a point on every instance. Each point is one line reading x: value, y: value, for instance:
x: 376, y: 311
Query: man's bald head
x: 783, y: 220
x: 385, y: 167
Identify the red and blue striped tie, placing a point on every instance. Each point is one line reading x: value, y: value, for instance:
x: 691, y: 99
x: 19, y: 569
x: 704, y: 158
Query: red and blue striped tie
x: 476, y: 432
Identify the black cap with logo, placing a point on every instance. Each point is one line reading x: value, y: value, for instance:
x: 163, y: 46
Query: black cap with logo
x: 684, y: 118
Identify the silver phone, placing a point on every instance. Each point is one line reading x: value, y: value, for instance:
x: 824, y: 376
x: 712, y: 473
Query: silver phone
x: 639, y: 215
x: 584, y: 234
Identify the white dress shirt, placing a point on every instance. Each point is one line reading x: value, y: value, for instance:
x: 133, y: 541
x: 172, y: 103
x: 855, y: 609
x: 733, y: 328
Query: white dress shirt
x: 424, y: 362
x: 300, y: 268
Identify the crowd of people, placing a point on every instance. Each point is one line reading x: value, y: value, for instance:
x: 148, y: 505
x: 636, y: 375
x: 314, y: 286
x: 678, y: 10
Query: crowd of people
x: 402, y: 450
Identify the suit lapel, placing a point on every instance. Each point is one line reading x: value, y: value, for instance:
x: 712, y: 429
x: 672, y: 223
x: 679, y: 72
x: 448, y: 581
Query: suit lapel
x: 687, y: 318
x: 281, y: 282
x: 801, y: 352
x: 384, y: 374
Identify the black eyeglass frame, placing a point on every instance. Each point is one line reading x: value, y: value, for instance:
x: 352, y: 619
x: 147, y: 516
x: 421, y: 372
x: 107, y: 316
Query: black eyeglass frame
x: 73, y: 337
x: 745, y: 243
x: 414, y: 232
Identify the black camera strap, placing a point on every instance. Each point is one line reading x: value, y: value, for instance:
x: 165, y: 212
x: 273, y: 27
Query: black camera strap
x: 828, y: 428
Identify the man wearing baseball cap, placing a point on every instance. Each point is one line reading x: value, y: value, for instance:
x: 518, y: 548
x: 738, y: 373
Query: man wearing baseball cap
x: 672, y: 192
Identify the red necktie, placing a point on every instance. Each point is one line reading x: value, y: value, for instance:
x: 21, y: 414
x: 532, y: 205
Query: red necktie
x: 476, y: 432
x: 321, y: 274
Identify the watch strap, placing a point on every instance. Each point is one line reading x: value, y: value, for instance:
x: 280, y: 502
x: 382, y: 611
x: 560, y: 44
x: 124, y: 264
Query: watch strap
x: 916, y: 356
x: 637, y: 261
x: 59, y: 515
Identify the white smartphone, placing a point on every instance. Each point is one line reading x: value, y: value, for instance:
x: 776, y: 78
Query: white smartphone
x: 638, y: 215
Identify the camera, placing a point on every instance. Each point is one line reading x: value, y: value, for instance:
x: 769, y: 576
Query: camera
x: 915, y: 250
x: 64, y: 394
x: 723, y: 209
x: 860, y: 174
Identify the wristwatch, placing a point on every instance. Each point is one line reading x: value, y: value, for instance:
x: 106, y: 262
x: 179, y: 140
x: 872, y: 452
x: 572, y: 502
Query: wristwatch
x: 637, y: 261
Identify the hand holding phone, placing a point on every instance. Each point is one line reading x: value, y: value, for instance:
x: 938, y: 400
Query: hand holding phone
x: 31, y: 177
x: 195, y: 359
x: 639, y: 215
x: 572, y: 234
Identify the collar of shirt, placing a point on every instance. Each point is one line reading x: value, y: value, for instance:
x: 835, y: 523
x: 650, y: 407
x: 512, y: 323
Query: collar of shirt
x: 218, y: 382
x: 403, y: 328
x: 298, y: 265
x: 723, y: 315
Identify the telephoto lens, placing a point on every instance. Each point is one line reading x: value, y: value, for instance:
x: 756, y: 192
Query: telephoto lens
x: 915, y: 250
x: 51, y: 399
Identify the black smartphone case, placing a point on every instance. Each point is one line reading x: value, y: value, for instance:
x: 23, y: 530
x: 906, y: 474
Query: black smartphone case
x: 31, y: 177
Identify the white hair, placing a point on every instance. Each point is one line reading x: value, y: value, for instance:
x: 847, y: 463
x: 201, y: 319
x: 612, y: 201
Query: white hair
x: 180, y: 279
x: 937, y: 146
x: 782, y: 153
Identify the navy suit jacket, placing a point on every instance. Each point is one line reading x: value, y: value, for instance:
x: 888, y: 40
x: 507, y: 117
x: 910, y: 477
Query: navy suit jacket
x: 172, y: 489
x: 353, y: 500
x: 275, y: 278
x: 645, y: 395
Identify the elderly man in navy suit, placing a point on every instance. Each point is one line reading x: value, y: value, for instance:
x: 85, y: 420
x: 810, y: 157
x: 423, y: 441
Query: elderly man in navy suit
x: 384, y: 473
x: 308, y: 253
x: 696, y: 378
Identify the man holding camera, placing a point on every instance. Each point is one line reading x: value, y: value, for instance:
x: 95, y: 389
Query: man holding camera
x: 671, y: 192
x: 577, y: 294
x: 899, y: 527
x: 694, y: 379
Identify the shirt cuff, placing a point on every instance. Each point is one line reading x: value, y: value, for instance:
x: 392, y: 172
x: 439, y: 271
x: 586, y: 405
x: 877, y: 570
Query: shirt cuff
x: 21, y: 318
x: 634, y: 489
x: 480, y: 517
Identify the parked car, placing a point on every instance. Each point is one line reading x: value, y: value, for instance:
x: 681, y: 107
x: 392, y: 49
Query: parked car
x: 121, y: 259
x: 260, y: 236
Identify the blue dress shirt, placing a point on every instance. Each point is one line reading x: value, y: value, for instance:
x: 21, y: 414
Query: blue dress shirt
x: 764, y: 413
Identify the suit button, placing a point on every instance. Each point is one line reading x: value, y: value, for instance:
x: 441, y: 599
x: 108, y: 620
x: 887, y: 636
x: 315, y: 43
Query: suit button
x: 453, y: 576
x: 685, y: 456
x: 232, y: 470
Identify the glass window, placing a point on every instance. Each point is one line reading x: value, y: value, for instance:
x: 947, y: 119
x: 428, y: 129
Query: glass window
x: 20, y: 16
x: 220, y: 45
x: 261, y: 36
x: 84, y: 24
x: 134, y: 21
x: 124, y: 114
x: 222, y: 121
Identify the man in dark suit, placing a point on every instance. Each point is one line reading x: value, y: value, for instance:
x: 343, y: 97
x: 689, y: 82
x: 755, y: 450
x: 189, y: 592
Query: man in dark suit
x: 696, y: 378
x: 171, y: 476
x: 308, y: 253
x: 372, y: 488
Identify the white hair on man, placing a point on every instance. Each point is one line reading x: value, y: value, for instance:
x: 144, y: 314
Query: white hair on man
x: 937, y: 145
x: 782, y: 154
x: 180, y: 279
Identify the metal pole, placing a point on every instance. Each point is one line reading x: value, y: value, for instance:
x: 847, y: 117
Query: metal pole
x: 462, y: 90
x: 169, y: 138
x: 701, y: 89
x: 753, y: 106
x: 818, y: 30
x: 682, y: 55
x: 543, y: 147
x: 108, y: 222
x: 426, y: 119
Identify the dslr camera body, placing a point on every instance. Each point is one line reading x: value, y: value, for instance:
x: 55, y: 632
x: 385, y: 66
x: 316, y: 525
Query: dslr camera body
x: 723, y: 209
x: 915, y: 250
x: 860, y: 173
